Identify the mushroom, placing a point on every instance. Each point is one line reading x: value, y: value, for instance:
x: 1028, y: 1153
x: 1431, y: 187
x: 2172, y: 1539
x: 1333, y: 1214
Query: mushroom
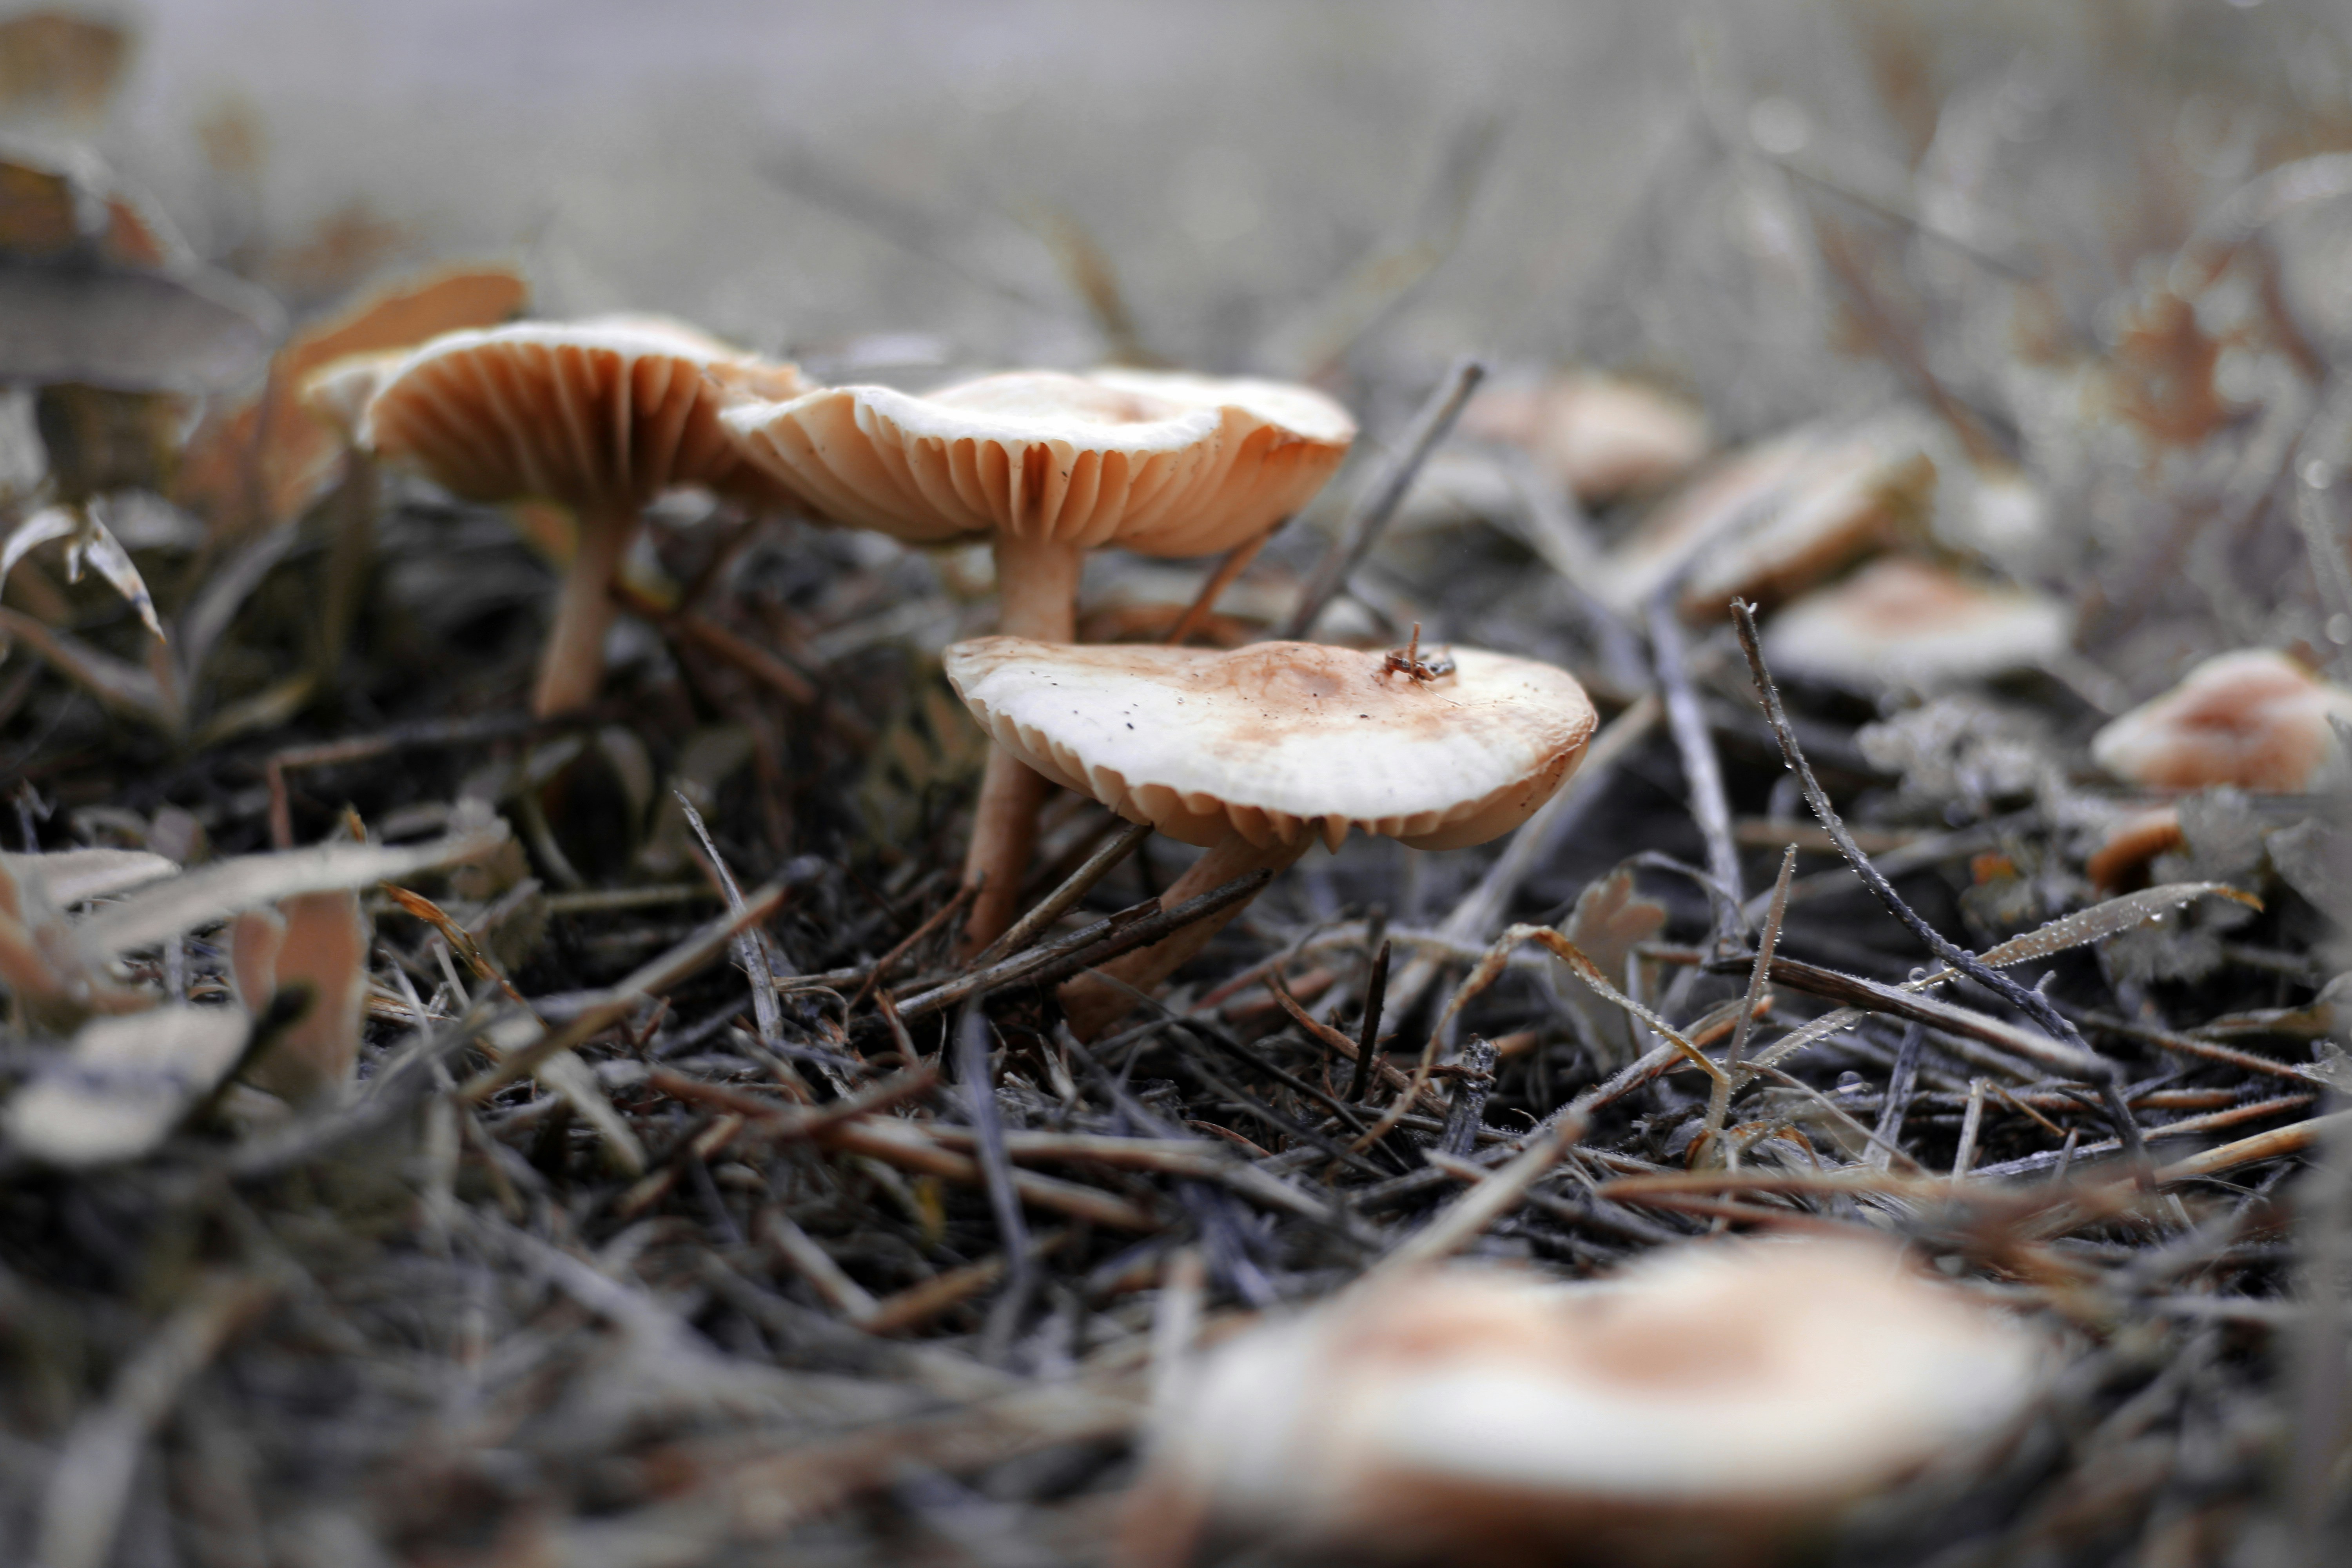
x: 601, y: 415
x: 1052, y: 466
x: 1905, y: 622
x: 1774, y: 520
x: 1598, y: 437
x: 2255, y: 719
x: 1704, y: 1405
x: 263, y: 459
x: 319, y: 942
x: 1257, y: 752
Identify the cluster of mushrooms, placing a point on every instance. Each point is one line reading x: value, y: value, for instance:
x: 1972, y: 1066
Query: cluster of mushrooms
x: 1389, y: 1418
x: 1252, y: 754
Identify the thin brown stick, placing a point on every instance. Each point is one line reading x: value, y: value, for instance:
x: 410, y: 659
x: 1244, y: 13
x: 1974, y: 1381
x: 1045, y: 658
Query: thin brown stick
x: 1076, y: 886
x: 1378, y: 501
x: 1230, y: 567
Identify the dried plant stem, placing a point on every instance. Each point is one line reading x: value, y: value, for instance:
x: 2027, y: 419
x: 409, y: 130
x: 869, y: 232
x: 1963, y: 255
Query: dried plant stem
x: 1378, y: 501
x: 1076, y: 886
x: 2100, y: 1072
x: 1038, y: 597
x: 1130, y: 927
x: 572, y: 662
x: 971, y: 1040
x: 1368, y: 1039
x: 1702, y: 770
x: 1095, y: 1002
x: 1230, y: 567
x: 1901, y: 1083
x: 1719, y: 1099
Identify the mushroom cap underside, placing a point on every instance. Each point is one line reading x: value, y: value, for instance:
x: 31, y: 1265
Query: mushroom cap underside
x: 1279, y: 740
x: 597, y: 414
x: 1164, y: 464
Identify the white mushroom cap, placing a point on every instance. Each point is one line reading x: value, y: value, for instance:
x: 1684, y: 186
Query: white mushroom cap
x: 1711, y: 1395
x: 599, y: 415
x: 2255, y: 719
x: 1279, y: 740
x: 1165, y: 464
x: 1903, y: 622
x: 1774, y: 520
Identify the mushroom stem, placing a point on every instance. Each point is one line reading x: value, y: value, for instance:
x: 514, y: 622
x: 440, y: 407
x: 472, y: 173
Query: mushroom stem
x: 571, y: 664
x: 1038, y: 597
x: 1095, y: 1001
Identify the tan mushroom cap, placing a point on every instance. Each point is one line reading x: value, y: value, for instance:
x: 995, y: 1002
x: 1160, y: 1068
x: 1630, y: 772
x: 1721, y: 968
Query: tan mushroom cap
x: 1774, y: 520
x: 1279, y: 741
x: 601, y: 415
x: 1160, y: 463
x: 2255, y: 719
x: 1599, y: 436
x: 1694, y: 1408
x: 1904, y: 622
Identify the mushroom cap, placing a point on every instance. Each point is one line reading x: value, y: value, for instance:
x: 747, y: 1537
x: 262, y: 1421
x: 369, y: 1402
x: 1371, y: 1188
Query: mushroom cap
x: 1736, y: 1389
x: 1904, y: 622
x: 1279, y: 740
x: 597, y: 414
x: 1772, y: 520
x: 2253, y: 718
x: 1165, y: 464
x: 1599, y: 436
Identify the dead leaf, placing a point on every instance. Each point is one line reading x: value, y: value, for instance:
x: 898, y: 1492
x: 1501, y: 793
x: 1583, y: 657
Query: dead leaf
x: 124, y: 1083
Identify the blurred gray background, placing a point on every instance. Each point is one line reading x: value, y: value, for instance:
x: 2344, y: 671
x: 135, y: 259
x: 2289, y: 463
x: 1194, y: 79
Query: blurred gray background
x: 1266, y: 184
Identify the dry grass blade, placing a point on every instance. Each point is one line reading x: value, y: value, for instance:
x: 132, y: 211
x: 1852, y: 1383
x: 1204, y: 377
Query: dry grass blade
x: 214, y: 892
x: 1719, y: 1099
x: 640, y: 987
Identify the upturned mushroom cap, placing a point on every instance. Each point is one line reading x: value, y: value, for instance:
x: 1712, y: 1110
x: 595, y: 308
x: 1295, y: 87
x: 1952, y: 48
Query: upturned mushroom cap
x: 1694, y: 1408
x: 1771, y: 521
x: 1277, y: 741
x: 2255, y: 719
x: 599, y: 415
x: 267, y: 457
x: 1164, y: 464
x: 1903, y: 622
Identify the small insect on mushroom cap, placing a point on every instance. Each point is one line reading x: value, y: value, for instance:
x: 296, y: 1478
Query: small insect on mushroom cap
x: 1699, y: 1406
x: 2253, y: 718
x: 1276, y: 740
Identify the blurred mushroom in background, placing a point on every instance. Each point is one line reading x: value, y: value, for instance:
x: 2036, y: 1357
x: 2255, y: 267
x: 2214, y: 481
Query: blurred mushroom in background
x: 2255, y: 719
x: 1599, y: 437
x: 262, y: 460
x: 1903, y: 623
x: 1710, y: 1405
x: 1775, y: 519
